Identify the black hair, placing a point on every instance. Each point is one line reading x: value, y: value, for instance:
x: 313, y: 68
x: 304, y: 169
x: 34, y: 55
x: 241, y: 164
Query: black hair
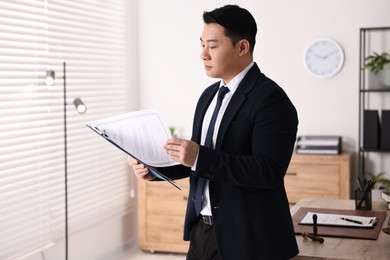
x: 238, y: 23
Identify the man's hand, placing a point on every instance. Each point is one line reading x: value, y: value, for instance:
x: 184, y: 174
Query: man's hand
x: 182, y: 151
x: 140, y: 170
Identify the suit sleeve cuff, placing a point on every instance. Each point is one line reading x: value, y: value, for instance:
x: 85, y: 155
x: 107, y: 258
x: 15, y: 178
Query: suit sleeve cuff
x: 193, y: 168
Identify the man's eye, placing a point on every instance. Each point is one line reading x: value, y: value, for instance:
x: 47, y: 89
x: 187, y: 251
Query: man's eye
x: 213, y: 47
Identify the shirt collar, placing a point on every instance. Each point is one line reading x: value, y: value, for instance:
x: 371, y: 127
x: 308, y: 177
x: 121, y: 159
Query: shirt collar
x: 233, y: 84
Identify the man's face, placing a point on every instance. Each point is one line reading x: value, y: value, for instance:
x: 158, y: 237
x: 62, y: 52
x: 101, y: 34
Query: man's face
x: 219, y: 56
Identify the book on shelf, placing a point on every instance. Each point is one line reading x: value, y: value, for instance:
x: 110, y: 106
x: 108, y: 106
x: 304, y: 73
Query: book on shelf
x: 319, y: 145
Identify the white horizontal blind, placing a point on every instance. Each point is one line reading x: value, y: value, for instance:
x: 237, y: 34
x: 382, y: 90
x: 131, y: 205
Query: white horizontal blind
x: 30, y: 143
x: 35, y: 36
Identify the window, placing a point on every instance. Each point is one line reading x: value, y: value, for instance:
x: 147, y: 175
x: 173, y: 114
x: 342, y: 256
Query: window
x: 36, y: 36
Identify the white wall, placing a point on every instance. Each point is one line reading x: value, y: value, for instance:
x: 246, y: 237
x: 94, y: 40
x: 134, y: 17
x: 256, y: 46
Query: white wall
x: 172, y: 77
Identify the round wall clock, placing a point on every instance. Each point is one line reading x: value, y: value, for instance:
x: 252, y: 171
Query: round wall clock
x: 323, y: 58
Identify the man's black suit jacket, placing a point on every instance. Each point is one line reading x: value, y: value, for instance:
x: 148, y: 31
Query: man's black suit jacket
x: 245, y: 171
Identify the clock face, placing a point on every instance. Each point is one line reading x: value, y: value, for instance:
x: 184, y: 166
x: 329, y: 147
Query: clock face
x: 324, y: 58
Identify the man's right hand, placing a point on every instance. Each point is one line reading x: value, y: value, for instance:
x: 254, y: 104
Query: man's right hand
x: 140, y: 170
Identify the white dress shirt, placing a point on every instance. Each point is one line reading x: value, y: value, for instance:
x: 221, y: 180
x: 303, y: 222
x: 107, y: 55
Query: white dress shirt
x: 232, y: 85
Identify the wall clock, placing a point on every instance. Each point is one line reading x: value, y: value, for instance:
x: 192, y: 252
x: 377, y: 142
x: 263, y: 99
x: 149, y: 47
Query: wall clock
x: 323, y: 58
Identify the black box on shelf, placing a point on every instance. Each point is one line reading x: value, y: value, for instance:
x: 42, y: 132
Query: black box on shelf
x: 371, y: 129
x: 385, y: 131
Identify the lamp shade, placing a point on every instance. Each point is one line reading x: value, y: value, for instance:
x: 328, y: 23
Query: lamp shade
x: 80, y: 107
x: 49, y: 78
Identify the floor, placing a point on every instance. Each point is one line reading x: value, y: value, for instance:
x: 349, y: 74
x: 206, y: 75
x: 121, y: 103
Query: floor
x: 136, y: 254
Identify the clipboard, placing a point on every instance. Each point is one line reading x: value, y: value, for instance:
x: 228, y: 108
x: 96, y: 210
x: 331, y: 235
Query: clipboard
x: 151, y: 169
x: 337, y: 231
x: 339, y: 220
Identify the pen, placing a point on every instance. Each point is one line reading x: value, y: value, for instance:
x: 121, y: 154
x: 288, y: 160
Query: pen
x: 352, y: 220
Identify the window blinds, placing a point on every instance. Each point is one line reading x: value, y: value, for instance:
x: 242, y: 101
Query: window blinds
x: 36, y: 36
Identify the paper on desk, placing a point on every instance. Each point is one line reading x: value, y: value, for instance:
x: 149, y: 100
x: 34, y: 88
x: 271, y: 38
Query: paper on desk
x: 336, y: 220
x: 140, y: 133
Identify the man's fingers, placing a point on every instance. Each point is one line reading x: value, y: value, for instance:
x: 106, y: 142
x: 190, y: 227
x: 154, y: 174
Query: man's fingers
x: 132, y: 161
x: 173, y: 144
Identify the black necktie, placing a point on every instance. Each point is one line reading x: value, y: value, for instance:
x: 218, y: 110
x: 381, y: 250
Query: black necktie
x: 209, y: 143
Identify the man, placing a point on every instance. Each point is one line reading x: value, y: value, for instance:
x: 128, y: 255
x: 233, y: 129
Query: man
x: 244, y: 211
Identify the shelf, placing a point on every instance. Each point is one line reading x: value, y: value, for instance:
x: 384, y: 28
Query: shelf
x: 376, y: 90
x: 375, y: 29
x: 366, y: 88
x: 375, y: 150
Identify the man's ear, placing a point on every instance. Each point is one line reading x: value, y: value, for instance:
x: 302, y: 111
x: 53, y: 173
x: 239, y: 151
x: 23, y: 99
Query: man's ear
x: 243, y: 46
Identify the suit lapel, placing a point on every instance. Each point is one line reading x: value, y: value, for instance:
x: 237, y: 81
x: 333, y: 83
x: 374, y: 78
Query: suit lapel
x: 237, y: 101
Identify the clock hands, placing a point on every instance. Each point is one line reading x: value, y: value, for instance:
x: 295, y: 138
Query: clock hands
x: 325, y: 56
x: 319, y: 56
x: 330, y: 53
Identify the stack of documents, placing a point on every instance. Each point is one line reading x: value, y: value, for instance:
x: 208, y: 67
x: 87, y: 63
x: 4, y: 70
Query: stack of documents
x: 319, y: 145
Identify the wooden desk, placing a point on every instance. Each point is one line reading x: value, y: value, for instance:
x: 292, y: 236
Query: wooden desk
x: 342, y: 248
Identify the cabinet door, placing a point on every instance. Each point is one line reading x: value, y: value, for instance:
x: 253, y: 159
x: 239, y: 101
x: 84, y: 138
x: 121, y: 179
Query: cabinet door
x: 305, y: 180
x: 161, y: 216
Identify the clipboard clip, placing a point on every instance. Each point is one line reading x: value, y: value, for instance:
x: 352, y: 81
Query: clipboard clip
x: 102, y: 133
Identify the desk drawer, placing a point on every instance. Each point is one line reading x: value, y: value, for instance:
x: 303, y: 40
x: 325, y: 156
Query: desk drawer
x: 312, y: 181
x: 161, y: 211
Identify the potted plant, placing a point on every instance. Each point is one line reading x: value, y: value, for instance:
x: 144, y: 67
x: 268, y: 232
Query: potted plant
x: 379, y: 64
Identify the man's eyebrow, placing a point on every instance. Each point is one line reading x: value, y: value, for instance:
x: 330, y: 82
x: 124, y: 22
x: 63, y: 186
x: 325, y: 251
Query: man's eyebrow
x: 210, y: 40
